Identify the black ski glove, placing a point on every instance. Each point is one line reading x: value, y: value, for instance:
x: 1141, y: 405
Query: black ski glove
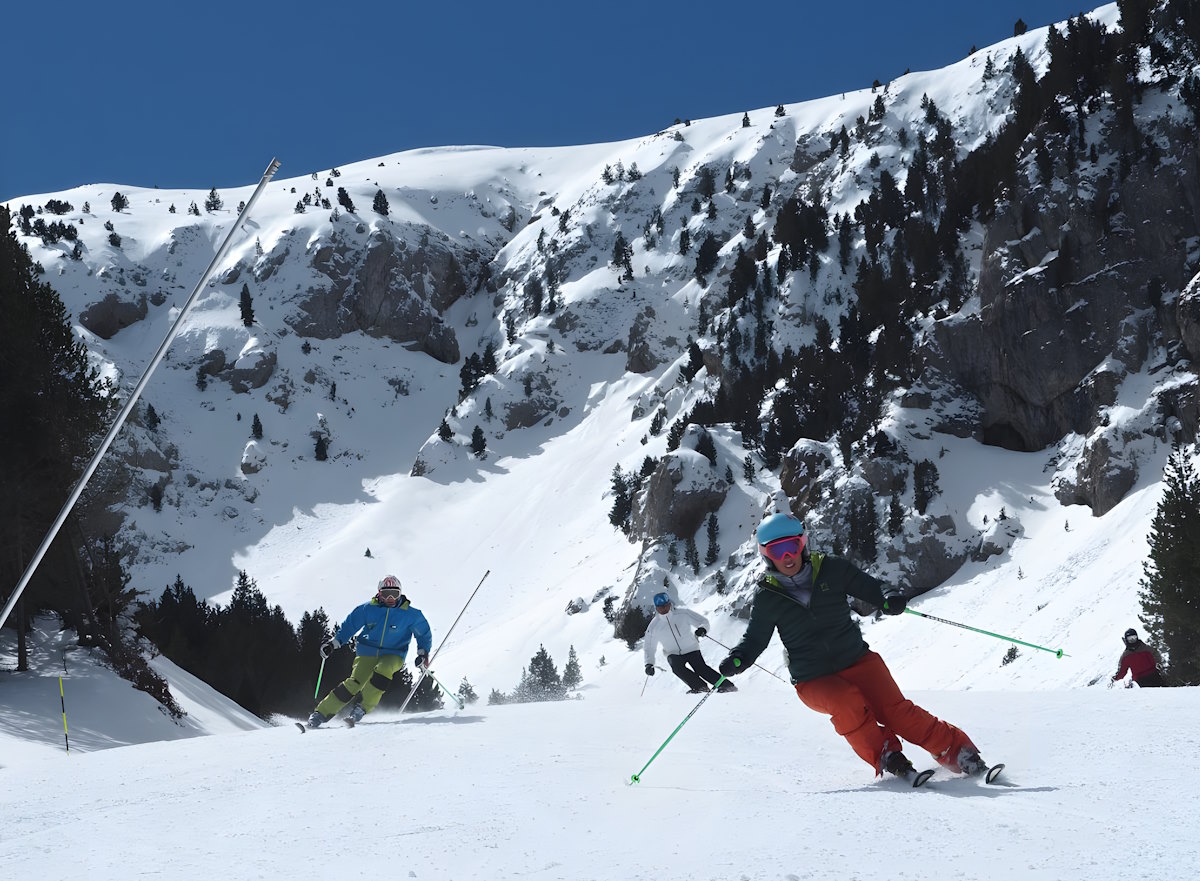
x: 731, y: 666
x: 894, y: 605
x: 327, y: 648
x: 700, y: 631
x: 421, y: 661
x: 649, y: 669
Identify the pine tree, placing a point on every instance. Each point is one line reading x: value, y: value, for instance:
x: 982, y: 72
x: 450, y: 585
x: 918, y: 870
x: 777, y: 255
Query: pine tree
x: 52, y: 407
x: 543, y: 682
x: 478, y: 442
x: 925, y: 484
x: 1170, y: 591
x: 572, y: 675
x: 466, y: 692
x: 322, y: 449
x: 692, y: 554
x: 895, y: 516
x: 213, y: 202
x: 247, y: 306
x: 444, y: 432
x: 344, y: 199
x: 380, y: 205
x: 256, y: 428
x: 622, y: 506
x: 706, y: 257
x: 714, y: 549
x: 487, y: 364
x: 119, y: 202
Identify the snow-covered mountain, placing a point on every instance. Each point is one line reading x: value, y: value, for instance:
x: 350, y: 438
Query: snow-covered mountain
x: 365, y: 318
x: 1049, y: 443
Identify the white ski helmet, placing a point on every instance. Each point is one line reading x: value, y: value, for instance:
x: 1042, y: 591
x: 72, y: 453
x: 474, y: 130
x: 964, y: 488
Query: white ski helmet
x: 388, y: 591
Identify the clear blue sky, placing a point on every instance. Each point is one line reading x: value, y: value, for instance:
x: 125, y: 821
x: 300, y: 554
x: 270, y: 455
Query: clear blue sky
x: 204, y: 94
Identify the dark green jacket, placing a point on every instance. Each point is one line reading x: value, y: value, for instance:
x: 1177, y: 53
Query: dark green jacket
x: 820, y: 638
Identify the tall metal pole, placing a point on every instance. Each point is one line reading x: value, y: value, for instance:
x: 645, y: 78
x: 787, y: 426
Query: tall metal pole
x: 133, y: 397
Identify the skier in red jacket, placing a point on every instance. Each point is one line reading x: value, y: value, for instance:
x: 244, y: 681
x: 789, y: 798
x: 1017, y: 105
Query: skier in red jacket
x: 1139, y: 659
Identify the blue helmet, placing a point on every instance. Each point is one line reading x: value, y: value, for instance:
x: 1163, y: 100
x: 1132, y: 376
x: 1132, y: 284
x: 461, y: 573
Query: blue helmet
x: 661, y: 599
x: 778, y: 526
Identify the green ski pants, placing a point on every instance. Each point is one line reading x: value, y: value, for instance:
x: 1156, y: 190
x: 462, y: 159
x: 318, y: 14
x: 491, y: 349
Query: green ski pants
x: 371, y: 674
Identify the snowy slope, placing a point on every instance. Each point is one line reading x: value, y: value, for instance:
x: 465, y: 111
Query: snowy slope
x: 754, y: 786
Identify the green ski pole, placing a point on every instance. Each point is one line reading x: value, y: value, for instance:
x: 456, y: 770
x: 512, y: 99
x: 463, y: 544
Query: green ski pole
x: 319, y: 675
x: 638, y: 776
x: 1058, y: 653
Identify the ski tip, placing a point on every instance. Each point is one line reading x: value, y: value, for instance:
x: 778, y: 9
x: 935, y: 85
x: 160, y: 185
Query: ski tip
x: 922, y: 777
x: 300, y: 725
x: 993, y: 772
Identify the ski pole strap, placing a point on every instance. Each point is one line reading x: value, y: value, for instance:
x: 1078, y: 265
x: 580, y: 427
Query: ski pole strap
x: 638, y: 776
x: 1058, y: 653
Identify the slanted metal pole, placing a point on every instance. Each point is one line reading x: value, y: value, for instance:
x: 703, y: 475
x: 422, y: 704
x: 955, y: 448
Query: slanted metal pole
x: 433, y: 657
x: 133, y: 397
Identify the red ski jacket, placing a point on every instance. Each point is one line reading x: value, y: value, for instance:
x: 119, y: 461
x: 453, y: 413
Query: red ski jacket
x: 1140, y: 659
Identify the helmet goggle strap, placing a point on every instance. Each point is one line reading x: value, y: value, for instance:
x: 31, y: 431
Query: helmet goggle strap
x: 780, y: 549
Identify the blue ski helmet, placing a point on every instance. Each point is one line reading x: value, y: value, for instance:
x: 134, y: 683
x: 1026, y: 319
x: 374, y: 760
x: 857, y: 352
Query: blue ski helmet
x: 661, y: 599
x: 778, y: 526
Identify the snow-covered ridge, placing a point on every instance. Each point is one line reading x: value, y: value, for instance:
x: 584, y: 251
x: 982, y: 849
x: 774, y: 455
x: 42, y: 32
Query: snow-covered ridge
x: 534, y: 510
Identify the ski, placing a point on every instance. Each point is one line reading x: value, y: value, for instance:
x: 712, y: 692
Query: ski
x: 300, y: 725
x: 920, y: 778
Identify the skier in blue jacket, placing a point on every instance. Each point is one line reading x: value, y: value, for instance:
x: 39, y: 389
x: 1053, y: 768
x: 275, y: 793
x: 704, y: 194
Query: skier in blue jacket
x: 385, y: 625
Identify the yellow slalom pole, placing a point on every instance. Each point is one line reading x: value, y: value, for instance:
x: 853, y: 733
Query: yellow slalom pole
x: 62, y: 700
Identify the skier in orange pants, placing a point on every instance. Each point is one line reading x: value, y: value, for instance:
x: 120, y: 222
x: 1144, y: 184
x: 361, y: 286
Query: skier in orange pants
x: 803, y: 596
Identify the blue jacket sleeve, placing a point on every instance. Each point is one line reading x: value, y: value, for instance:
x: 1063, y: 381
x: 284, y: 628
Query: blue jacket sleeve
x: 353, y: 623
x: 423, y: 634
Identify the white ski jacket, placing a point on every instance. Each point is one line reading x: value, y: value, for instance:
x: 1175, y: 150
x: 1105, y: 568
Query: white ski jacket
x: 675, y: 630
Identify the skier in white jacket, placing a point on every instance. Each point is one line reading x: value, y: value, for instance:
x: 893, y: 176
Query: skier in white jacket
x: 673, y: 628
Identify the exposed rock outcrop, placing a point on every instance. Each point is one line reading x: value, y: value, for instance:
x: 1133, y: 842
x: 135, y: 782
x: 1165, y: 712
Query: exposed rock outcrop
x: 112, y: 314
x: 386, y: 287
x: 683, y: 490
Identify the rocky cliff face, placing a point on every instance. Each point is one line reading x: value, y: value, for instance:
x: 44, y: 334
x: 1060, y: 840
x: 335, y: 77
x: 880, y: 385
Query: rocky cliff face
x: 1070, y: 294
x: 385, y: 287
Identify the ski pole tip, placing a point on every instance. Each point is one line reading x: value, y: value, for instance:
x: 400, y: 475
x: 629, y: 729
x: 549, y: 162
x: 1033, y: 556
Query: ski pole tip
x: 634, y: 778
x: 1059, y: 653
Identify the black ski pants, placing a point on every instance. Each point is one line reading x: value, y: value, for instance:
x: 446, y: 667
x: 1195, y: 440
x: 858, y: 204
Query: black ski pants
x: 697, y: 674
